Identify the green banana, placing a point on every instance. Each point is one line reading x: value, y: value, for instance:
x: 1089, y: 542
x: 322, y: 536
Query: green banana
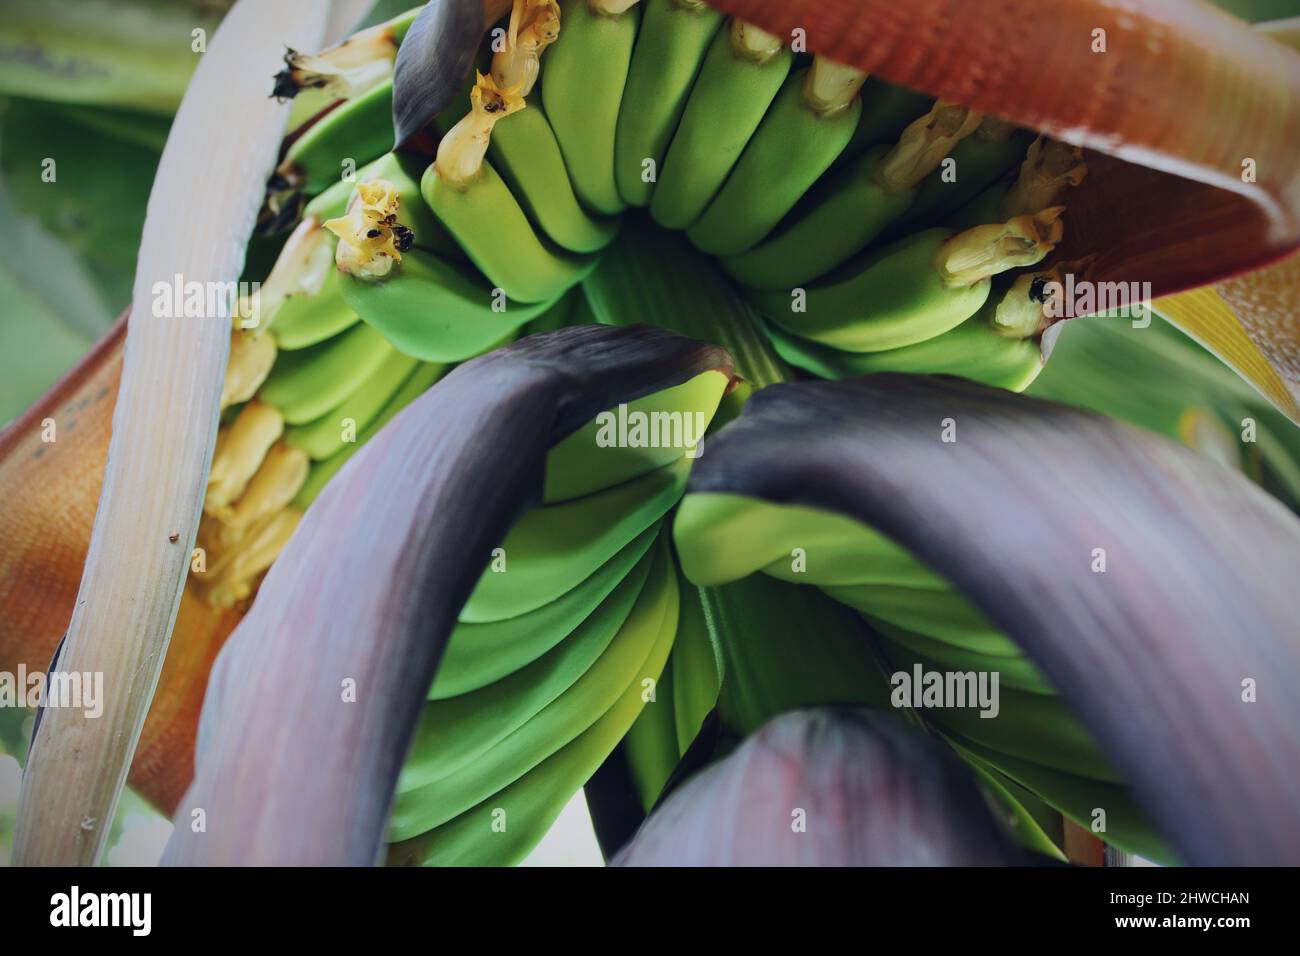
x: 674, y: 37
x: 1078, y: 797
x: 436, y: 310
x: 791, y: 542
x: 504, y: 827
x: 349, y: 68
x: 809, y: 124
x: 697, y: 668
x: 931, y: 628
x: 356, y: 132
x: 326, y: 435
x: 452, y: 732
x: 913, y: 290
x: 307, y: 383
x: 582, y: 88
x: 651, y: 742
x: 592, y: 458
x: 554, y: 547
x: 838, y: 218
x: 637, y: 653
x: 766, y: 671
x: 741, y: 75
x: 475, y: 204
x: 852, y: 205
x: 974, y: 350
x: 1026, y: 726
x: 528, y: 156
x: 321, y: 472
x: 307, y: 320
x: 942, y: 615
x: 479, y: 654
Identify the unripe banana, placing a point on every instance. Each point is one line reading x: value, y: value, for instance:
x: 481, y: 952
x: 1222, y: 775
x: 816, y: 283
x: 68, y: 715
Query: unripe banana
x: 356, y: 132
x: 350, y: 68
x: 306, y: 384
x: 307, y: 320
x: 914, y: 290
x: 674, y: 37
x: 978, y: 161
x: 850, y: 207
x: 321, y: 472
x: 504, y: 827
x: 553, y: 548
x: 976, y: 350
x: 479, y: 654
x: 636, y: 653
x: 452, y: 731
x: 437, y: 311
x: 326, y: 435
x: 476, y: 206
x: 582, y: 89
x: 741, y: 75
x: 526, y: 152
x: 809, y: 124
x: 590, y: 459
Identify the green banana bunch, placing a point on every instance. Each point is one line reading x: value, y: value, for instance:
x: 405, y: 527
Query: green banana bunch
x: 564, y: 639
x: 519, y: 209
x: 919, y: 622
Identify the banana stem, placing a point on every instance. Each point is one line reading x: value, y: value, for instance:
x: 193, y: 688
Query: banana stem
x: 1050, y: 167
x: 461, y: 152
x: 534, y: 25
x: 976, y: 254
x: 924, y: 144
x: 752, y: 43
x: 829, y: 87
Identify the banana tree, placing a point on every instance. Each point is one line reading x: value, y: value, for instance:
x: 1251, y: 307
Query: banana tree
x: 464, y: 532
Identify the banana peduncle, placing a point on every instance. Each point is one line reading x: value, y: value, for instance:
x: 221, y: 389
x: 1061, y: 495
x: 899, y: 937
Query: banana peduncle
x: 534, y: 25
x: 830, y: 87
x: 371, y: 240
x: 461, y: 152
x: 924, y: 144
x: 976, y: 254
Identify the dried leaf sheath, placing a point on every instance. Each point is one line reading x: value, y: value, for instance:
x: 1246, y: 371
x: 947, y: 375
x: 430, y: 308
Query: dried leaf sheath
x: 369, y: 589
x: 1151, y: 654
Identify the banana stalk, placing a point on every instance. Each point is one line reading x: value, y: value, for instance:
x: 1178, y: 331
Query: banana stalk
x: 165, y: 418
